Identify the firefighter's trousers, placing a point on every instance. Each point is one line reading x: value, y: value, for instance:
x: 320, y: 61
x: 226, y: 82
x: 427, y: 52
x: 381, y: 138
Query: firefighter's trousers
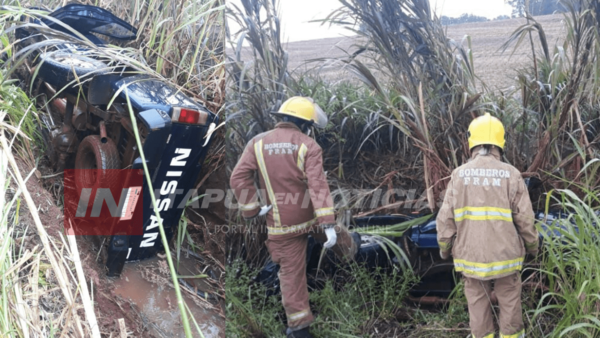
x: 290, y: 255
x: 481, y: 313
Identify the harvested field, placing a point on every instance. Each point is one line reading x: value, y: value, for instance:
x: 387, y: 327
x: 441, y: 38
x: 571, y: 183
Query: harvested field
x: 496, y: 68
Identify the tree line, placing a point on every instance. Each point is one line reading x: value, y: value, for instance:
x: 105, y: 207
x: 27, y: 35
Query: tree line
x: 520, y: 7
x: 535, y: 7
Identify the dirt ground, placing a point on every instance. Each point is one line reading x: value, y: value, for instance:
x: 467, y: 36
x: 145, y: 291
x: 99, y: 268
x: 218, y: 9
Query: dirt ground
x: 108, y: 307
x: 143, y: 296
x: 212, y: 178
x: 496, y: 68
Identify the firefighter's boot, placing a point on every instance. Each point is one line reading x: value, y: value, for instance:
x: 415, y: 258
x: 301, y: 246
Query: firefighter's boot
x: 302, y: 333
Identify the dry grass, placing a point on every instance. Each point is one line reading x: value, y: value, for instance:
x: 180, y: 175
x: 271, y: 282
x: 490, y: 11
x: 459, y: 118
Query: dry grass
x: 179, y: 41
x: 37, y: 281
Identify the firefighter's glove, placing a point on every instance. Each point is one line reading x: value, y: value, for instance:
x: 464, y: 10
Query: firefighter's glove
x: 444, y: 254
x: 331, y: 237
x: 532, y: 248
x: 531, y: 255
x: 265, y: 210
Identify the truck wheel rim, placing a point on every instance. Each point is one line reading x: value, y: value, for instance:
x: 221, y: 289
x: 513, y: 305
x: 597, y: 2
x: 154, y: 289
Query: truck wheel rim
x: 71, y: 61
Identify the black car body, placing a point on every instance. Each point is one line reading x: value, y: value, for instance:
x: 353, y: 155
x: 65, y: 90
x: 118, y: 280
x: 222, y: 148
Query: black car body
x: 88, y: 98
x: 419, y: 243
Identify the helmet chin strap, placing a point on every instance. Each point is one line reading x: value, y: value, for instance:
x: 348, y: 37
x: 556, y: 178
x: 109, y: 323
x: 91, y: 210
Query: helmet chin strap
x: 303, y: 125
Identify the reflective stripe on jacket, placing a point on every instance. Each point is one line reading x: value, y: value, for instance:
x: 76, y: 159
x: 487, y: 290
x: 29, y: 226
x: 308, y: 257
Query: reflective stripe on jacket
x: 486, y: 218
x: 289, y: 165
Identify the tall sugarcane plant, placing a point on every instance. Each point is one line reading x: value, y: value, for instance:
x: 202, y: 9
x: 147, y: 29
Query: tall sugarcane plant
x: 257, y: 85
x: 559, y: 95
x: 425, y: 81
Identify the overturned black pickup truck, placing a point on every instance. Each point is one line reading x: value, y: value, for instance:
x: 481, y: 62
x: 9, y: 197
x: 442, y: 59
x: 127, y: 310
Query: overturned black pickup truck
x: 419, y: 243
x: 87, y: 124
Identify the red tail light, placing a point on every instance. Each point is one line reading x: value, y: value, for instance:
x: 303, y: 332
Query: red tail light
x: 188, y: 116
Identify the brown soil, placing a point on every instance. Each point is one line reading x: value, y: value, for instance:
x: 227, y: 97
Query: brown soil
x: 108, y: 306
x: 111, y: 304
x: 496, y: 68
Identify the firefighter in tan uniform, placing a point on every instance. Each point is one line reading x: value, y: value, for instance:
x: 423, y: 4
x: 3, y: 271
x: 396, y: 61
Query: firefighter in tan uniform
x: 487, y: 223
x: 290, y: 167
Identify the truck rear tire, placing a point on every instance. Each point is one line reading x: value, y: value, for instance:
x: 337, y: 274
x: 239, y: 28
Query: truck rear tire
x: 93, y: 154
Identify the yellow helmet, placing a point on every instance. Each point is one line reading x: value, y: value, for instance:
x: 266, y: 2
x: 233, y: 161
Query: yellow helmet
x: 486, y: 129
x: 303, y: 108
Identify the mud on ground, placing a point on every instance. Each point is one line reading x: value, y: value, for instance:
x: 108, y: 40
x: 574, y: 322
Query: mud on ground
x: 143, y: 296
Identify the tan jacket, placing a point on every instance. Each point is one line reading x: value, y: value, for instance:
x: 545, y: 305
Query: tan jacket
x: 290, y: 167
x: 487, y: 219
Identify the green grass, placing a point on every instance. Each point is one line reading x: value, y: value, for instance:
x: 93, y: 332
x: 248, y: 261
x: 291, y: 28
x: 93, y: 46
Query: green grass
x: 17, y: 118
x: 360, y: 303
x: 570, y: 264
x: 249, y: 311
x: 410, y: 131
x: 448, y: 322
x: 349, y: 309
x: 21, y: 115
x: 179, y: 41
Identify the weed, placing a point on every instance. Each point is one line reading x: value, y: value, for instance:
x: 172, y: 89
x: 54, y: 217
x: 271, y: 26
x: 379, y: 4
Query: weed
x: 250, y: 312
x: 570, y: 263
x: 178, y: 41
x: 406, y: 127
x: 350, y: 308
